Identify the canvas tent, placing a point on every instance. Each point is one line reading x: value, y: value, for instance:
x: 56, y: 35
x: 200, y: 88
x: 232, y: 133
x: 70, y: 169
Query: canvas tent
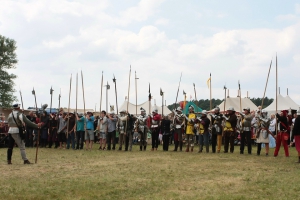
x: 188, y: 104
x: 235, y: 103
x: 284, y: 103
x: 145, y: 105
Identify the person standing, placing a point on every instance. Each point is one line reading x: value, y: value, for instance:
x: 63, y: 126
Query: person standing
x: 282, y: 135
x: 203, y: 125
x: 52, y: 137
x: 29, y: 131
x: 129, y: 132
x: 246, y: 130
x: 165, y: 129
x: 15, y: 122
x: 229, y: 129
x: 272, y: 124
x: 62, y: 126
x: 155, y: 120
x: 102, y: 126
x: 178, y: 124
x: 71, y: 131
x: 190, y: 122
x: 121, y: 126
x: 141, y: 128
x: 216, y: 138
x: 296, y: 134
x: 79, y: 130
x: 262, y: 136
x: 111, y: 131
x: 89, y: 133
x: 45, y: 129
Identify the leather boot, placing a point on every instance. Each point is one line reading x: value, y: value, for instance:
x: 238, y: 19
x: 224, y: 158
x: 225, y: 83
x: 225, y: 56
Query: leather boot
x: 192, y: 149
x: 207, y: 149
x: 145, y: 147
x: 9, y: 154
x: 200, y: 149
x: 26, y: 162
x: 187, y: 149
x: 120, y: 148
x: 176, y: 146
x: 9, y: 162
x: 181, y: 144
x: 141, y: 148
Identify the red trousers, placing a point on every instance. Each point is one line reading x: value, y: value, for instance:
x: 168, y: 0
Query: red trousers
x: 281, y: 139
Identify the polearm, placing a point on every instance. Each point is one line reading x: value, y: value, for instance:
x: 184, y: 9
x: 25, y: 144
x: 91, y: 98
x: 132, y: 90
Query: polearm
x: 21, y: 99
x: 135, y: 93
x: 276, y: 95
x: 210, y: 93
x: 149, y: 99
x: 225, y: 88
x: 240, y: 94
x: 128, y: 97
x: 59, y: 96
x: 101, y: 94
x: 178, y: 91
x: 162, y: 103
x: 76, y: 105
x: 195, y: 92
x: 39, y: 130
x: 115, y: 81
x: 67, y: 135
x: 262, y: 102
x: 83, y: 101
x: 51, y: 93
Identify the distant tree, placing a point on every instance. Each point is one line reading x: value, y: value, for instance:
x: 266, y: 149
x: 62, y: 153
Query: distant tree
x: 8, y: 60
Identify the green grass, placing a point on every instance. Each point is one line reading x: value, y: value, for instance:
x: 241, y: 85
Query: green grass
x: 69, y: 174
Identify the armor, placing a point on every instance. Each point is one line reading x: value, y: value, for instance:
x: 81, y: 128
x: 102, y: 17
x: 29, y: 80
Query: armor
x: 263, y: 125
x: 217, y: 123
x: 140, y: 123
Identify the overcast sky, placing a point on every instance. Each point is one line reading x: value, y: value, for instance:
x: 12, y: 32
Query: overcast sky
x: 233, y: 40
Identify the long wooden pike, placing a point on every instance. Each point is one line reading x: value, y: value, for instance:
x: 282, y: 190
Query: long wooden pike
x: 83, y: 101
x: 178, y: 91
x: 276, y: 94
x: 240, y: 94
x: 67, y: 134
x: 51, y: 93
x: 262, y: 102
x: 128, y: 97
x: 101, y: 94
x: 225, y: 88
x: 210, y: 93
x: 115, y: 82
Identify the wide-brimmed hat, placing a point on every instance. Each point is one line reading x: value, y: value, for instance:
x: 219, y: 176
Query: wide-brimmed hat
x: 16, y: 105
x: 247, y: 108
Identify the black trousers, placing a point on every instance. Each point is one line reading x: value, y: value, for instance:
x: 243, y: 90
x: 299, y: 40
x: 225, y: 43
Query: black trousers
x: 111, y: 136
x: 155, y: 141
x: 214, y: 142
x: 29, y: 138
x: 229, y: 138
x: 166, y: 139
x: 79, y: 139
x: 246, y: 135
x: 11, y: 144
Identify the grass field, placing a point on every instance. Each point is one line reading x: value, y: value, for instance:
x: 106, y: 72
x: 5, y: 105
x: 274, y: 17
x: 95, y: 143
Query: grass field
x: 69, y: 174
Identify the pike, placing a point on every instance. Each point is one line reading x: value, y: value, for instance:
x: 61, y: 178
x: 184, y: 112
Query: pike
x: 178, y: 91
x: 149, y: 99
x: 101, y: 93
x: 210, y: 93
x: 240, y: 94
x: 33, y: 92
x: 276, y: 94
x: 195, y: 92
x: 262, y: 102
x: 67, y: 135
x: 21, y: 99
x: 39, y: 131
x: 59, y: 96
x: 115, y: 81
x: 83, y: 101
x: 128, y: 97
x: 225, y: 88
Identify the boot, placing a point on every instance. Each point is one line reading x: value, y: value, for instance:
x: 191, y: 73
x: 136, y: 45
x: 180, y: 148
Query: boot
x: 181, y: 144
x: 207, y: 149
x: 50, y: 145
x: 145, y: 147
x: 9, y: 162
x: 187, y: 149
x: 9, y: 154
x: 192, y: 149
x: 298, y: 160
x: 26, y: 162
x: 120, y: 148
x: 200, y: 149
x: 176, y: 146
x: 141, y: 148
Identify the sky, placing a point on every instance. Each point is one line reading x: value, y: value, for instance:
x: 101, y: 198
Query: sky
x: 234, y: 40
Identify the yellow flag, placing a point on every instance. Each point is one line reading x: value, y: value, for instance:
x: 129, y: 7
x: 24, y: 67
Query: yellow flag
x: 208, y: 82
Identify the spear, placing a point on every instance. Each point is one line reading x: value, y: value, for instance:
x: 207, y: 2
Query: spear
x: 101, y: 93
x: 69, y: 106
x: 162, y: 104
x: 83, y: 101
x: 51, y: 93
x: 240, y: 94
x: 135, y: 93
x: 178, y: 91
x: 33, y: 92
x: 276, y: 94
x: 262, y: 102
x: 149, y: 99
x: 225, y: 88
x: 59, y: 96
x: 21, y: 99
x: 115, y: 81
x: 210, y: 91
x: 128, y: 96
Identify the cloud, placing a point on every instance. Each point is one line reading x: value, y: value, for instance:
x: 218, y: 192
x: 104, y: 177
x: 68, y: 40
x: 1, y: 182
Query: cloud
x: 162, y: 21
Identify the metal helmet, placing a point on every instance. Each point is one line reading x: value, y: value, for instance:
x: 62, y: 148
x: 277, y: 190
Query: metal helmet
x: 204, y: 112
x: 192, y: 107
x: 247, y: 108
x: 123, y: 111
x: 264, y: 113
x: 143, y: 110
x: 217, y: 109
x: 179, y: 109
x: 155, y: 110
x: 231, y: 109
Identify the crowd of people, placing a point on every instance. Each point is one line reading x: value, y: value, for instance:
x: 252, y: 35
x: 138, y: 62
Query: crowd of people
x: 81, y: 131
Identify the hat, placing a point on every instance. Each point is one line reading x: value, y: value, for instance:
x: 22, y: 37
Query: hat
x: 16, y: 106
x: 142, y: 109
x: 123, y: 111
x: 155, y: 110
x: 179, y: 109
x: 231, y: 109
x: 298, y: 112
x: 284, y: 112
x: 192, y: 107
x: 247, y: 108
x: 204, y: 112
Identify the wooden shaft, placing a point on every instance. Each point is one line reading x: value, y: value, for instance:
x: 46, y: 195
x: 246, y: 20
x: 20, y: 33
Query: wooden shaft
x: 262, y: 102
x: 101, y: 94
x: 83, y: 101
x: 69, y: 106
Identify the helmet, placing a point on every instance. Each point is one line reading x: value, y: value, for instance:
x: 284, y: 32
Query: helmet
x: 191, y: 107
x: 264, y: 113
x: 142, y: 110
x: 247, y: 108
x: 155, y: 110
x: 204, y: 112
x: 231, y: 109
x: 179, y: 109
x: 217, y: 109
x: 123, y: 111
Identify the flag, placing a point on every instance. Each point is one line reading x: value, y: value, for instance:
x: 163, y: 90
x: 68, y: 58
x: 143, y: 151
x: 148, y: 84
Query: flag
x: 208, y: 82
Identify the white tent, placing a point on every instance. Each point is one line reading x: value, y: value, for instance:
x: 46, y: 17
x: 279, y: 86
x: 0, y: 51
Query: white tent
x: 235, y: 103
x: 132, y: 108
x: 292, y: 103
x: 283, y: 104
